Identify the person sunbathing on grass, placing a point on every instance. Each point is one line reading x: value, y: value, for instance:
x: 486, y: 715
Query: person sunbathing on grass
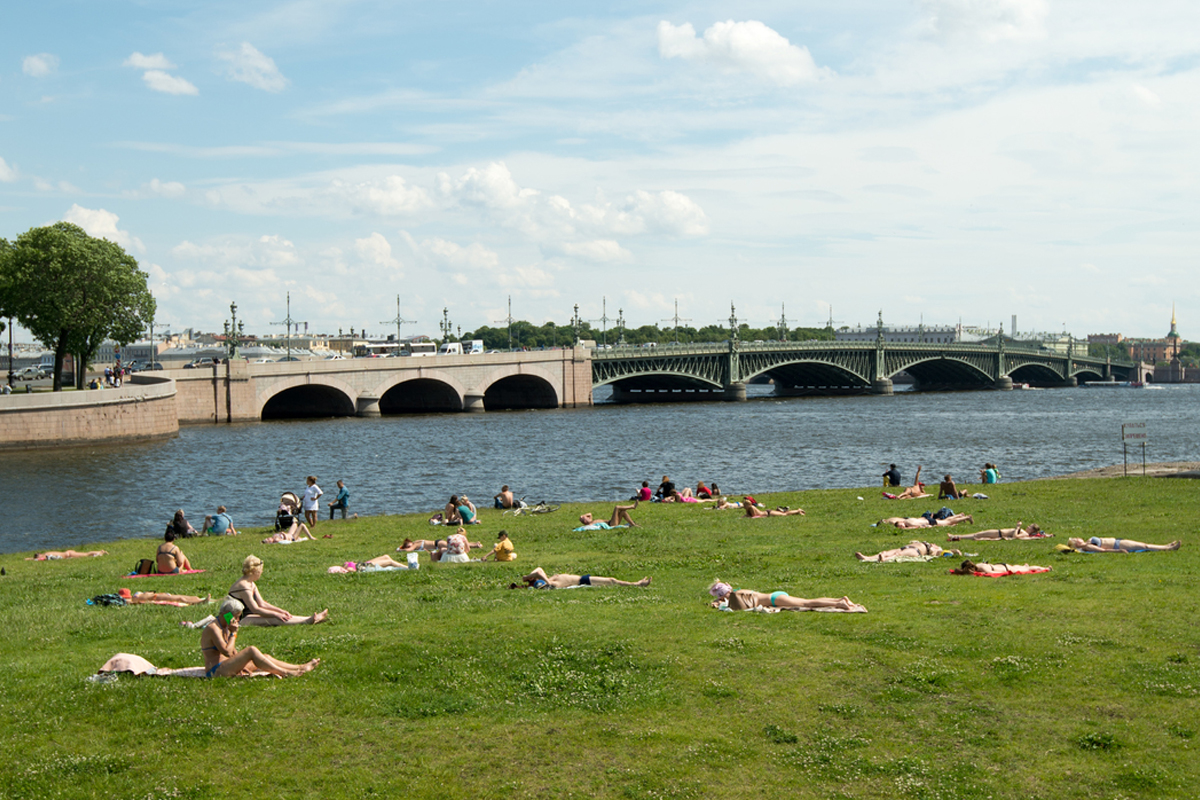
x: 994, y: 534
x: 754, y: 512
x: 258, y: 611
x: 379, y: 562
x: 1108, y: 544
x: 620, y: 515
x: 59, y: 555
x: 723, y: 503
x: 914, y: 491
x: 922, y: 522
x: 747, y: 599
x: 136, y: 598
x: 538, y: 579
x: 913, y: 549
x: 969, y: 567
x: 292, y: 534
x: 420, y: 545
x: 218, y: 645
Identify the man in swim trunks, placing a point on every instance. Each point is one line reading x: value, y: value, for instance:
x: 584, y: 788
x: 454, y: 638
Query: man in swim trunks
x: 538, y: 579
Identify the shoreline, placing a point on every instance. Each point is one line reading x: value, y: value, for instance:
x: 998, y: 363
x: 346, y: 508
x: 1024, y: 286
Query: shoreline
x: 1160, y: 469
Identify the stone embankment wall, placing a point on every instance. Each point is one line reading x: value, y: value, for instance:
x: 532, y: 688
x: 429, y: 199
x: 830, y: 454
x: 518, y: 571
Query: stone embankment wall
x: 144, y: 408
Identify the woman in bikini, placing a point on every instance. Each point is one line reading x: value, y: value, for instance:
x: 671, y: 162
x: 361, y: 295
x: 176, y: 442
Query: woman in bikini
x: 969, y: 567
x: 59, y: 555
x: 916, y: 490
x: 218, y: 644
x: 747, y: 599
x: 922, y: 522
x: 136, y: 598
x: 754, y: 512
x: 257, y: 611
x: 383, y: 562
x: 538, y: 579
x: 913, y: 549
x: 1108, y: 544
x: 620, y: 515
x: 292, y: 534
x: 1019, y: 532
x: 170, y: 559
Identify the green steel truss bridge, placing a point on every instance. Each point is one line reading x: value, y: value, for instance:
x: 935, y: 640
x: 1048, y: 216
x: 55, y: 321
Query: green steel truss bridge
x: 721, y: 371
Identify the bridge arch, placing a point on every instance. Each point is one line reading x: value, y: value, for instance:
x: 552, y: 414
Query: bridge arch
x: 809, y: 374
x: 421, y: 395
x: 947, y: 372
x: 301, y: 397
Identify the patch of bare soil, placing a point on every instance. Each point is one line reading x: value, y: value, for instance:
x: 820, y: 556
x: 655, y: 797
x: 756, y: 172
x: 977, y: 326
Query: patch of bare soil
x: 1162, y: 469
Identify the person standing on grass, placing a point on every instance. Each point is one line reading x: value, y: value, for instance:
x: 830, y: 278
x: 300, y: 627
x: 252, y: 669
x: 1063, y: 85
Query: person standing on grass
x: 311, y: 494
x: 342, y: 501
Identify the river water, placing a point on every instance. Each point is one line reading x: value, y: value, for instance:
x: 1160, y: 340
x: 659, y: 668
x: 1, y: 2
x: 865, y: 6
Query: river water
x: 63, y: 498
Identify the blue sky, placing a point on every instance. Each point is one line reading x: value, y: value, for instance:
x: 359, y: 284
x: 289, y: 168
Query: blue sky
x: 939, y: 160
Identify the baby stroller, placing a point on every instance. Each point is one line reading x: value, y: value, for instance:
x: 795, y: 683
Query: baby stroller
x: 289, y: 507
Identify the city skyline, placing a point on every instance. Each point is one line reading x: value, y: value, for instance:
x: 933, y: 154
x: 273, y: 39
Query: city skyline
x: 944, y: 160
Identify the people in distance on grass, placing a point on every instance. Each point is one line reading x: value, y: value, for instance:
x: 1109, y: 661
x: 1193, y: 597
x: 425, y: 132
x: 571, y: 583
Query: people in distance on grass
x: 686, y: 496
x: 747, y: 599
x: 724, y: 503
x: 258, y: 611
x: 136, y: 598
x: 466, y: 511
x: 311, y: 503
x: 457, y: 548
x: 170, y: 558
x: 504, y: 498
x: 989, y: 474
x: 450, y: 515
x: 754, y: 512
x: 969, y: 567
x: 645, y: 493
x: 947, y: 490
x: 892, y: 476
x: 924, y: 522
x: 220, y: 524
x: 665, y: 488
x: 913, y: 549
x: 503, y: 551
x: 180, y: 526
x: 383, y: 562
x: 994, y: 534
x: 620, y: 516
x: 916, y: 490
x: 1107, y: 544
x: 59, y: 555
x: 419, y: 545
x: 218, y: 645
x: 341, y: 502
x: 295, y: 533
x: 538, y: 579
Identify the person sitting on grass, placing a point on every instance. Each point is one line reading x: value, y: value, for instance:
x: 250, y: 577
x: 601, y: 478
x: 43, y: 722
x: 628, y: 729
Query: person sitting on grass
x: 457, y: 548
x: 295, y: 533
x: 538, y: 579
x: 747, y: 599
x: 221, y: 524
x: 59, y: 555
x: 503, y: 551
x: 620, y: 516
x: 341, y: 502
x: 947, y: 490
x: 180, y: 526
x: 924, y: 522
x: 503, y: 498
x: 913, y: 549
x: 984, y: 569
x: 1108, y: 544
x: 258, y: 611
x: 136, y: 598
x: 754, y: 512
x: 218, y: 644
x: 1008, y: 534
x: 170, y: 559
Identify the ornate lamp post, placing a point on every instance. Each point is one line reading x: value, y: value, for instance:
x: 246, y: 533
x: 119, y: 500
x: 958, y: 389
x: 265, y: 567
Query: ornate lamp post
x: 233, y: 332
x: 446, y: 326
x: 621, y: 326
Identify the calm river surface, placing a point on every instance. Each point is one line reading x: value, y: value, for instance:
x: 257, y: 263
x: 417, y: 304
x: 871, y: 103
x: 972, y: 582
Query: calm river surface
x: 64, y: 498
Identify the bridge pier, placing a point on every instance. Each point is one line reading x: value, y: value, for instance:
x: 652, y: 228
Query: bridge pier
x: 881, y: 386
x: 1004, y: 383
x: 473, y: 401
x: 1069, y: 383
x: 734, y: 392
x: 368, y: 406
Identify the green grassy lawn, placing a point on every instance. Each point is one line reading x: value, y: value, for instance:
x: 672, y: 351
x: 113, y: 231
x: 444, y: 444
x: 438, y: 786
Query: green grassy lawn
x: 442, y: 683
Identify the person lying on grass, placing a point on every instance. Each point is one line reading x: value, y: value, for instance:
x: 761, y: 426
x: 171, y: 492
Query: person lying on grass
x: 922, y: 522
x: 134, y: 598
x: 747, y: 599
x: 754, y: 512
x: 620, y: 515
x: 995, y: 534
x: 420, y: 545
x: 969, y: 567
x: 723, y: 503
x: 379, y: 562
x: 538, y: 579
x: 914, y: 491
x: 913, y: 549
x: 292, y: 534
x: 59, y: 555
x: 1108, y: 544
x: 218, y: 645
x: 257, y: 611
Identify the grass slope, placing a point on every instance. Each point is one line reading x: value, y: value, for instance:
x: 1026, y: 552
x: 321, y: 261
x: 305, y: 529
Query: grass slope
x: 442, y: 683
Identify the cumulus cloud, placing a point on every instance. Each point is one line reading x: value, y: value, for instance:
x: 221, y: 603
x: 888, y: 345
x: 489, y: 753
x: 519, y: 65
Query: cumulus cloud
x: 599, y: 251
x: 443, y: 252
x: 166, y: 189
x: 248, y: 65
x: 390, y: 197
x: 991, y: 20
x: 666, y: 212
x: 490, y: 187
x: 1145, y: 95
x: 40, y: 65
x: 167, y: 83
x: 377, y: 251
x: 154, y: 61
x: 103, y: 225
x: 747, y: 46
x: 261, y: 263
x: 7, y: 174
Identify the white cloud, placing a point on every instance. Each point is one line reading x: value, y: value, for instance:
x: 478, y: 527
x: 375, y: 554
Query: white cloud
x: 166, y: 189
x: 103, y: 225
x: 167, y: 83
x: 40, y: 65
x: 390, y: 197
x: 7, y: 174
x: 1147, y: 96
x: 155, y: 61
x: 237, y: 263
x: 377, y: 251
x: 991, y: 20
x: 747, y: 46
x: 491, y: 187
x: 600, y: 251
x: 248, y: 65
x: 666, y: 212
x: 444, y: 252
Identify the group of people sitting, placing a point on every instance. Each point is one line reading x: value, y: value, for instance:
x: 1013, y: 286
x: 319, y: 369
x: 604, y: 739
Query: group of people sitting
x: 668, y: 493
x: 947, y: 489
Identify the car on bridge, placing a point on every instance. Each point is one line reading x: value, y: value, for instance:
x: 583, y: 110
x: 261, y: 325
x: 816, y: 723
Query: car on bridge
x: 31, y: 373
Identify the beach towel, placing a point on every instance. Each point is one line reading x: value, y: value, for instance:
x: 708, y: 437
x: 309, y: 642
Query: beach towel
x: 136, y: 665
x: 1030, y: 570
x: 598, y: 526
x: 165, y: 574
x: 856, y: 609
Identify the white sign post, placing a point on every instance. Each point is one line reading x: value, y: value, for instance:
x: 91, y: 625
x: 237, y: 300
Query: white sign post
x: 1133, y: 433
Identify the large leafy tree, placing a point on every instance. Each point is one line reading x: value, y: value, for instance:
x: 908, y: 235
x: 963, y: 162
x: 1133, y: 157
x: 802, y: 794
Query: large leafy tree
x: 72, y: 292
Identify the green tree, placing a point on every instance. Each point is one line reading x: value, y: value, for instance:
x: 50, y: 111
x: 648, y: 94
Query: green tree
x: 72, y: 292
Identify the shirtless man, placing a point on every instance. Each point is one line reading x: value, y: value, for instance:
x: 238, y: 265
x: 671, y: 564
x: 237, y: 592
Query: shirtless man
x: 136, y: 598
x: 538, y: 579
x: 170, y: 558
x: 619, y: 516
x: 504, y: 499
x: 947, y: 490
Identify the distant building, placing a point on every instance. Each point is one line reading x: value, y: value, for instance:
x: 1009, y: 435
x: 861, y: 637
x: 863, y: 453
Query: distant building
x: 1153, y: 351
x: 931, y: 334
